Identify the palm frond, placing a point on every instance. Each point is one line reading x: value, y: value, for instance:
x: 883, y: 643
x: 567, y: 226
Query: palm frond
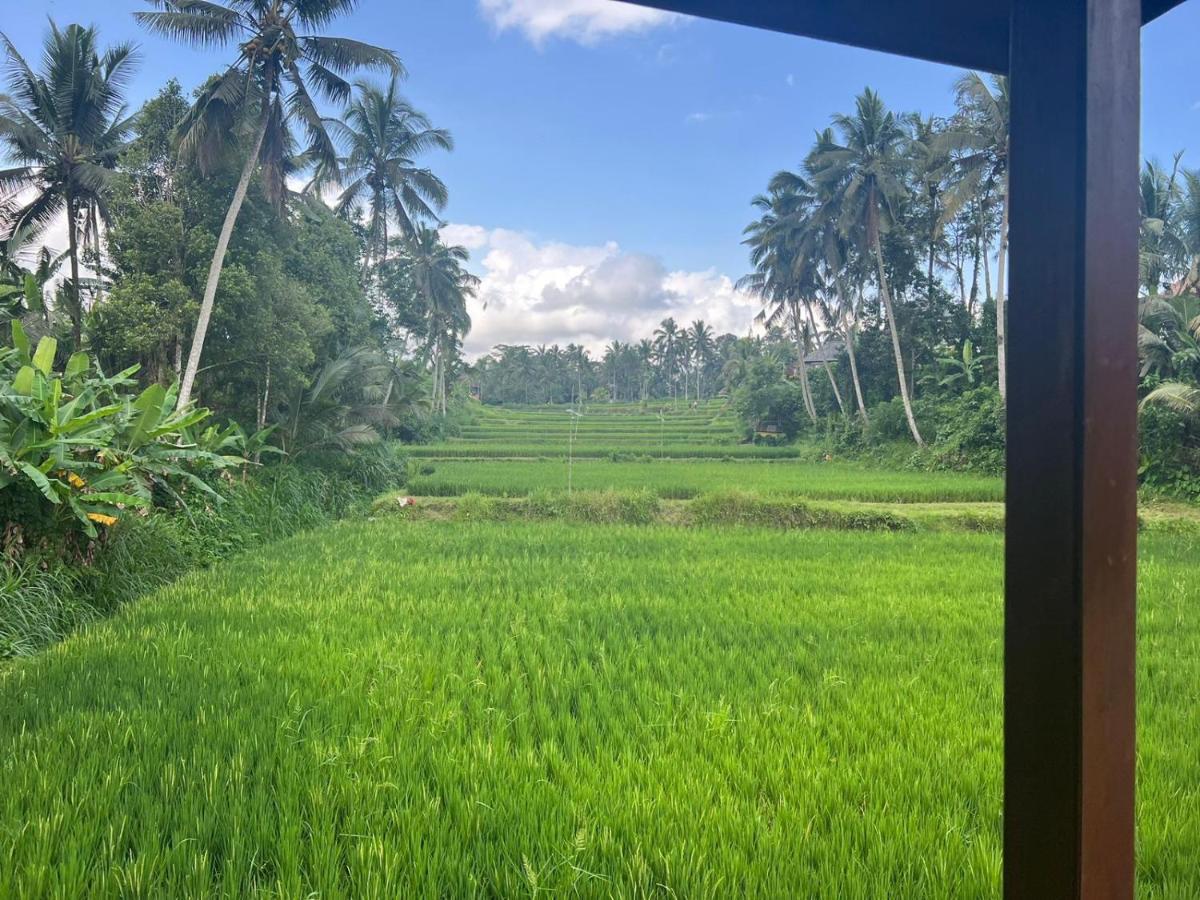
x: 344, y: 55
x: 330, y: 85
x: 1175, y: 395
x: 317, y: 13
x: 195, y: 22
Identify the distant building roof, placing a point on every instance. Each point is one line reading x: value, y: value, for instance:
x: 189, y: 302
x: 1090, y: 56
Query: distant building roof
x: 828, y: 353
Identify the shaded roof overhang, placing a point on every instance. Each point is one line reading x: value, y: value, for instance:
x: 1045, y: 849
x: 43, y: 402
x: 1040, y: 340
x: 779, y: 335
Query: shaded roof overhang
x: 972, y: 34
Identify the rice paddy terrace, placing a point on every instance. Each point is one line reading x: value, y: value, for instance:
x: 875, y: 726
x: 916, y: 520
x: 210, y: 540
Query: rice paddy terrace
x: 661, y: 430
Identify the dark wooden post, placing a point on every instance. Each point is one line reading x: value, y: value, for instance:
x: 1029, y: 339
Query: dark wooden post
x: 1071, y: 536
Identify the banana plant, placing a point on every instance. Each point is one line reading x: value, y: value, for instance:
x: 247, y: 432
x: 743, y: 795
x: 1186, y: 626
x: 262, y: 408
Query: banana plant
x: 90, y: 446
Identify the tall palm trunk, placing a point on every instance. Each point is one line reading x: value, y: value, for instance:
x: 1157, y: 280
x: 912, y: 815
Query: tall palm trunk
x: 436, y: 359
x: 851, y: 334
x: 802, y: 367
x: 218, y: 260
x: 837, y: 395
x: 73, y: 248
x: 973, y: 296
x: 987, y: 270
x: 1001, y: 266
x: 933, y: 231
x: 891, y: 317
x: 265, y: 401
x: 806, y: 390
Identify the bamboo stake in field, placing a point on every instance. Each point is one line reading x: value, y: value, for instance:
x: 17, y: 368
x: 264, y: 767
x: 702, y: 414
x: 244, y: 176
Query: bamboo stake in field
x: 571, y: 434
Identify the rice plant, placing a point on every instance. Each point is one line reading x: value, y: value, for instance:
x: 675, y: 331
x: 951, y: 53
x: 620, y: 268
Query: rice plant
x: 398, y: 708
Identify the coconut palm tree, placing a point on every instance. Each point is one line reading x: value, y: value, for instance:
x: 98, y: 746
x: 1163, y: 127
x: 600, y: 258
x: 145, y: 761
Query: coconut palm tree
x: 645, y: 359
x: 384, y: 135
x: 355, y: 397
x: 1162, y: 245
x: 258, y: 100
x: 611, y: 363
x: 683, y: 354
x: 861, y: 181
x: 978, y: 141
x: 810, y: 242
x: 1169, y: 347
x: 1189, y: 229
x: 776, y: 240
x: 931, y: 169
x: 445, y: 286
x: 666, y: 345
x: 64, y: 127
x: 703, y: 349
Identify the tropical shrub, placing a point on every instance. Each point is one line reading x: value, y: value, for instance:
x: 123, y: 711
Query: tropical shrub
x: 887, y: 422
x: 1169, y: 450
x: 971, y: 432
x: 765, y: 399
x: 78, y: 449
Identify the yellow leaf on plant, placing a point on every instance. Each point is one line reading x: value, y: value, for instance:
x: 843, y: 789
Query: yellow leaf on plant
x: 102, y: 519
x: 76, y: 481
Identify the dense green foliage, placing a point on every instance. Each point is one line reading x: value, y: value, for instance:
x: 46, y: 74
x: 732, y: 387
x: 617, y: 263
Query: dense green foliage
x: 271, y: 303
x: 78, y: 448
x: 402, y: 708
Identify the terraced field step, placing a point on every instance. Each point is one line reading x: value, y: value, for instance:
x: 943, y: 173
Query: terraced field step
x: 478, y: 431
x: 644, y: 440
x: 612, y: 424
x: 717, y: 509
x: 614, y: 409
x: 677, y: 479
x: 740, y: 509
x: 489, y: 450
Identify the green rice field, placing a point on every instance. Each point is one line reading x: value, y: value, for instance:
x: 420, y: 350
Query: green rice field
x: 660, y: 430
x: 429, y: 709
x: 777, y: 684
x: 678, y: 479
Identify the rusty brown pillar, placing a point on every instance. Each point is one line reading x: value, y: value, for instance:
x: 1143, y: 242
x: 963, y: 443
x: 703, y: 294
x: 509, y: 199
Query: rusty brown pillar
x: 1071, y: 535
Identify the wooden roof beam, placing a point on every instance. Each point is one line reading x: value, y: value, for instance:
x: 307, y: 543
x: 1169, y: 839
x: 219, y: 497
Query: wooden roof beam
x: 973, y: 34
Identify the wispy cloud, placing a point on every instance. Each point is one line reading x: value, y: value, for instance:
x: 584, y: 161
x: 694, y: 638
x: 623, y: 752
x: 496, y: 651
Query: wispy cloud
x: 583, y: 21
x: 1196, y: 106
x: 790, y: 81
x: 668, y: 55
x: 698, y: 118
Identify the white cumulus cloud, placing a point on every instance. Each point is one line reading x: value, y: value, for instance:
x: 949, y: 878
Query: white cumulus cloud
x: 584, y: 21
x: 547, y: 292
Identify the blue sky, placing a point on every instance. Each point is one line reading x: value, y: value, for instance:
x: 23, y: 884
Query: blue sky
x: 606, y: 154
